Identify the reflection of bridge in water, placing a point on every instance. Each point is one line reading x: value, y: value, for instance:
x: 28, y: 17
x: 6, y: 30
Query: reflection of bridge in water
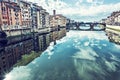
x: 88, y: 26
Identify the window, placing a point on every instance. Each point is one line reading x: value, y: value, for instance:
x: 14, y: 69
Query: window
x: 5, y: 22
x: 3, y: 62
x: 4, y: 17
x: 3, y: 58
x: 3, y: 9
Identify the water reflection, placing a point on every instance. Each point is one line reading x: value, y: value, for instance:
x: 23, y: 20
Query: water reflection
x: 78, y: 56
x: 85, y: 27
x: 113, y: 36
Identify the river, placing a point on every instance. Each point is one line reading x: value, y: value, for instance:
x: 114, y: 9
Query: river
x: 81, y: 55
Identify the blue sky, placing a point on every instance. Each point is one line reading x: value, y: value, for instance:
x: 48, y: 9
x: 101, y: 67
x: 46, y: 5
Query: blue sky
x: 81, y: 10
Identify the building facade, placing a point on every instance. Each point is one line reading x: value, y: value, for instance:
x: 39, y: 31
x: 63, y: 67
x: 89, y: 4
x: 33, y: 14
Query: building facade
x: 14, y: 14
x: 113, y: 19
x: 47, y: 19
x: 10, y: 17
x: 57, y: 19
x: 39, y: 17
x: 26, y: 14
x: 43, y: 20
x: 4, y: 17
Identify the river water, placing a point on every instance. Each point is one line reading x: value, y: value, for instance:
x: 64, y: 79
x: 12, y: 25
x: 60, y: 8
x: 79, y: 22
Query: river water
x: 81, y: 55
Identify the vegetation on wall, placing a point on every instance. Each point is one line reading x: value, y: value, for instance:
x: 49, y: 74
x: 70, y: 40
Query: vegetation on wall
x: 27, y: 58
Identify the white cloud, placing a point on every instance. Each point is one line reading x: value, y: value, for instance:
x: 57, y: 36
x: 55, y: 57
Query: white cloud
x: 87, y: 54
x: 21, y: 71
x: 90, y: 1
x: 81, y: 8
x: 49, y: 50
x: 111, y: 65
x: 92, y: 10
x: 78, y: 2
x: 95, y: 1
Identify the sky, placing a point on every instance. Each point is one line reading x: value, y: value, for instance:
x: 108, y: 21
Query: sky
x: 81, y: 10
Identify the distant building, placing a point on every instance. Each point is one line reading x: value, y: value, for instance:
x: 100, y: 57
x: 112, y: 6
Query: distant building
x: 103, y: 21
x: 113, y: 19
x: 58, y: 24
x: 57, y: 19
x: 117, y: 18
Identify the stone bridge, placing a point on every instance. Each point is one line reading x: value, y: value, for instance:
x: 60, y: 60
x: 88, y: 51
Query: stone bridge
x: 90, y: 26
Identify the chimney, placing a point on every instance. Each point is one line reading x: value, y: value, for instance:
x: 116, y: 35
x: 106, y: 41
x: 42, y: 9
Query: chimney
x: 54, y: 12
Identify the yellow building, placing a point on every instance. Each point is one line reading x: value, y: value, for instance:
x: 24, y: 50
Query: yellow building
x: 58, y: 25
x: 58, y: 19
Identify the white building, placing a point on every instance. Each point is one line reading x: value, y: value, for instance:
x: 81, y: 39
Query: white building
x: 39, y: 17
x: 47, y: 19
x: 42, y: 15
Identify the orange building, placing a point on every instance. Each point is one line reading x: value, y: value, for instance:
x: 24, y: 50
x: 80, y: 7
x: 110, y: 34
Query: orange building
x: 14, y: 12
x: 57, y: 19
x: 58, y: 24
x: 10, y: 15
x: 4, y: 18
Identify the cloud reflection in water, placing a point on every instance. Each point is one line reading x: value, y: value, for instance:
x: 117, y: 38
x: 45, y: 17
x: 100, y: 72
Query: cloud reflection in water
x: 78, y: 56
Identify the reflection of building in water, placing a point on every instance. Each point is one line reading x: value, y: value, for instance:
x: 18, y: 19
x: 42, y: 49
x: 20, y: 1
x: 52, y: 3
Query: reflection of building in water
x: 58, y: 23
x: 113, y: 34
x: 113, y: 37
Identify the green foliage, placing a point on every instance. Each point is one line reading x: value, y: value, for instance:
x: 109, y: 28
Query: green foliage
x: 27, y: 58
